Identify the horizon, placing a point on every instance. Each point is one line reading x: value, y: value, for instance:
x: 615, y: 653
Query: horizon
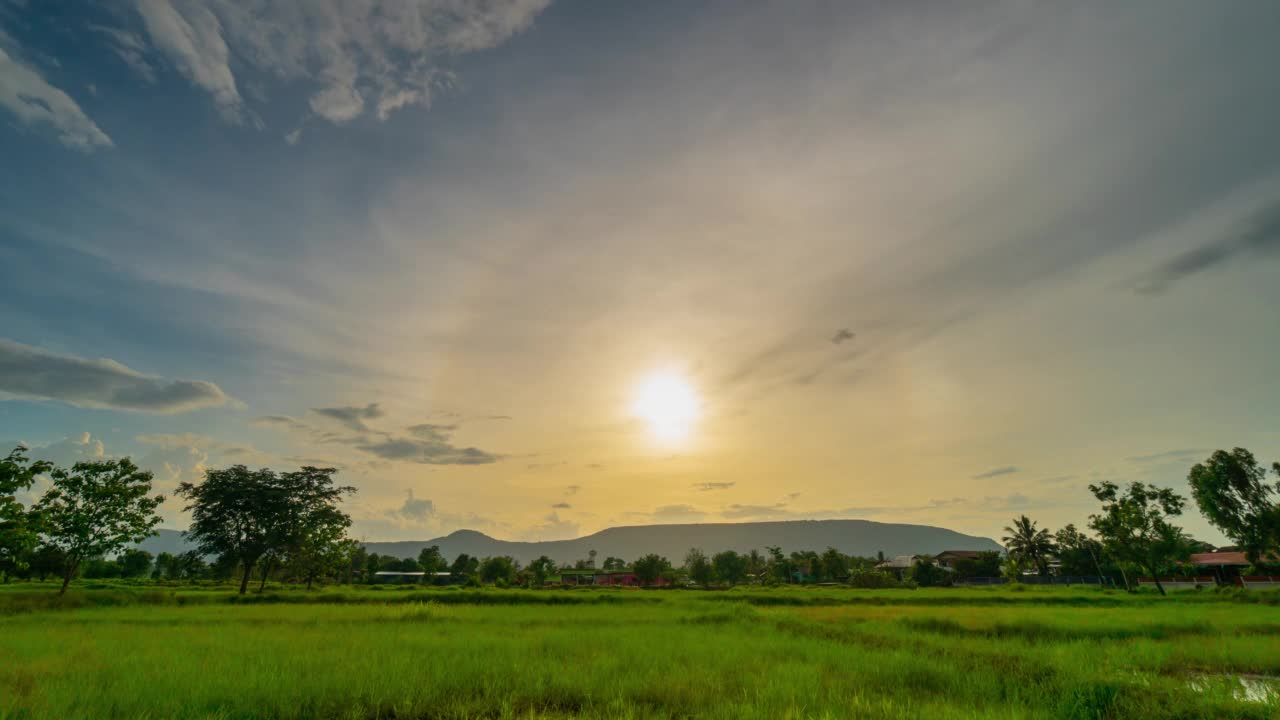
x: 539, y: 269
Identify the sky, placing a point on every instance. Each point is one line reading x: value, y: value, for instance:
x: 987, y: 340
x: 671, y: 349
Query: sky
x: 909, y: 262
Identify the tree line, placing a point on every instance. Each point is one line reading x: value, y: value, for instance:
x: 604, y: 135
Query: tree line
x: 291, y: 526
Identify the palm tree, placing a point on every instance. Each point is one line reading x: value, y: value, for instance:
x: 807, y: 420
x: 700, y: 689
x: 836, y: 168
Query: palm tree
x: 1027, y: 544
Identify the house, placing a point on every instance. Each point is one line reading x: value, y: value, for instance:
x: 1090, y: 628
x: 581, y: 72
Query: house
x: 947, y: 558
x: 899, y: 565
x: 1227, y: 567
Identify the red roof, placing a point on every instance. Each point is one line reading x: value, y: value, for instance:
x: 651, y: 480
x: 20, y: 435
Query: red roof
x: 1219, y: 558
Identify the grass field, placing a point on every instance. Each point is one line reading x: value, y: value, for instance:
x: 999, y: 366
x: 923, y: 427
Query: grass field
x: 781, y: 653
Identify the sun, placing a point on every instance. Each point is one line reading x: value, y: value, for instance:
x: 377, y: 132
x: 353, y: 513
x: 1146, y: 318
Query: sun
x: 668, y: 404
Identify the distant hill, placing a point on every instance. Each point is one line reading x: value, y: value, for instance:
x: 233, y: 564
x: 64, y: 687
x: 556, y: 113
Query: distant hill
x: 170, y: 541
x: 853, y: 537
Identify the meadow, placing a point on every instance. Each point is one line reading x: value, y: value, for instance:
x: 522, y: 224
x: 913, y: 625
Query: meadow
x: 139, y: 652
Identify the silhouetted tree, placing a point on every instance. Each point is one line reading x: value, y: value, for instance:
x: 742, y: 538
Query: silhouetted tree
x: 431, y: 561
x: 1232, y: 492
x: 1078, y: 554
x: 541, y: 569
x: 236, y: 512
x: 1028, y: 545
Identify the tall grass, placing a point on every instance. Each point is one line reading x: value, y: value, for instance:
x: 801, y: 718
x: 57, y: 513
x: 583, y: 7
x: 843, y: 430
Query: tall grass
x: 618, y: 654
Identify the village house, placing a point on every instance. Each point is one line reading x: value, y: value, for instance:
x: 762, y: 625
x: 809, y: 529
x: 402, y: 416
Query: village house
x: 617, y: 578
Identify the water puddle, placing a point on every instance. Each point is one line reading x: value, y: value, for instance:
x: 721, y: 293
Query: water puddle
x: 1246, y: 687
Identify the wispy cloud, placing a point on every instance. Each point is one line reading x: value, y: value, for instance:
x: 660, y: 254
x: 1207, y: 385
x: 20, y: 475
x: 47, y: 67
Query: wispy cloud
x: 996, y: 472
x: 25, y: 93
x: 708, y: 486
x: 1258, y: 234
x: 354, y: 417
x: 362, y: 54
x: 31, y: 372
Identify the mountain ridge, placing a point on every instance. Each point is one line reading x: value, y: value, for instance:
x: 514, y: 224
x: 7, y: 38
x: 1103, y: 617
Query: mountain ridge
x: 673, y: 540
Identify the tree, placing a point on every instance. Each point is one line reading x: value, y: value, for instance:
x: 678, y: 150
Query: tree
x: 1077, y: 553
x: 48, y: 560
x: 779, y: 565
x: 541, y: 569
x: 986, y: 564
x: 730, y: 567
x: 313, y: 535
x: 611, y: 564
x: 235, y: 512
x: 135, y: 563
x: 1231, y: 490
x: 464, y: 566
x: 431, y: 561
x: 757, y: 565
x: 1028, y: 545
x: 97, y: 508
x: 649, y: 568
x: 835, y: 564
x: 19, y: 528
x: 698, y: 567
x: 164, y: 567
x: 926, y: 574
x: 499, y: 567
x: 1134, y: 525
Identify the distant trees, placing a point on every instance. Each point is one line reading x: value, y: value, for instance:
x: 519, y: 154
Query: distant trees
x: 698, y: 567
x: 1231, y: 490
x: 1077, y: 553
x: 95, y: 509
x: 499, y: 568
x: 464, y: 566
x: 986, y: 564
x: 926, y: 573
x: 541, y: 569
x: 730, y: 567
x: 649, y: 568
x: 1028, y: 545
x: 135, y: 563
x: 611, y: 564
x: 431, y: 561
x: 1134, y: 526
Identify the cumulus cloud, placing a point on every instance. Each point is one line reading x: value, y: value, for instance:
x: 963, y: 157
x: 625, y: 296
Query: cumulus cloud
x: 707, y: 486
x: 996, y: 472
x: 356, y: 54
x: 426, y: 452
x: 417, y: 509
x: 31, y: 372
x: 353, y: 417
x: 26, y: 94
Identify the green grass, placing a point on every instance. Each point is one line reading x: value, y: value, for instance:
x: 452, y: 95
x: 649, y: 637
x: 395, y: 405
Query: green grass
x: 134, y: 652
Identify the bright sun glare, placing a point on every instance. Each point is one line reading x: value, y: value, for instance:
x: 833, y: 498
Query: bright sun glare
x: 668, y: 404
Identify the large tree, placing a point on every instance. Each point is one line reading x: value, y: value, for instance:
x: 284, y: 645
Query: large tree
x: 19, y: 529
x: 498, y: 567
x: 1134, y: 526
x: 1028, y: 545
x: 730, y: 567
x: 97, y: 508
x: 135, y: 563
x: 539, y: 570
x: 1232, y: 492
x: 236, y: 512
x: 431, y: 561
x: 1077, y: 553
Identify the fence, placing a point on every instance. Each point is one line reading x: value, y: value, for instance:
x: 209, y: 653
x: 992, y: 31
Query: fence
x: 1180, y: 583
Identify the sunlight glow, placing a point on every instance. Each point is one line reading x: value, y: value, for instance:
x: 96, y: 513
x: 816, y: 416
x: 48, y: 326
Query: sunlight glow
x: 668, y: 404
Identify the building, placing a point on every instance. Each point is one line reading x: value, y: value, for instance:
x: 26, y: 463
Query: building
x: 899, y: 564
x: 947, y: 558
x: 392, y: 576
x: 1228, y: 568
x: 614, y: 578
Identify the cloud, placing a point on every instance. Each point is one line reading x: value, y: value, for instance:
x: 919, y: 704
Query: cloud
x: 280, y: 421
x: 354, y: 417
x: 31, y: 372
x: 131, y: 49
x: 842, y: 335
x: 1257, y: 235
x: 1186, y: 455
x: 996, y: 472
x: 676, y: 513
x: 739, y: 512
x: 26, y: 94
x: 426, y: 451
x: 382, y: 54
x: 572, y: 489
x: 417, y: 509
x: 561, y: 506
x: 172, y: 440
x: 552, y: 527
x: 190, y: 36
x: 707, y: 486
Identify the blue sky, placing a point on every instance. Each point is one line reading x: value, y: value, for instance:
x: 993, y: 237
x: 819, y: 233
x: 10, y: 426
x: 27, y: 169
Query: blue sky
x: 926, y: 264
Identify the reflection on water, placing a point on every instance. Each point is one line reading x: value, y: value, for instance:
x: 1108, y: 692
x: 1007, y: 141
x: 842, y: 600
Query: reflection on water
x: 1247, y: 687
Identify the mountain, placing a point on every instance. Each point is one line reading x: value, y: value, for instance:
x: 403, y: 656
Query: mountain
x: 170, y: 541
x: 853, y: 537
